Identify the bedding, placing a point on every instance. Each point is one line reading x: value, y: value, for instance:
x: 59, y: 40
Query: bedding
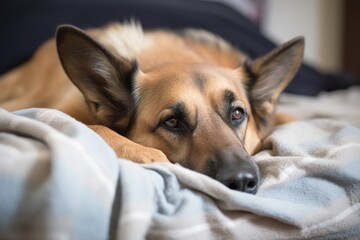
x: 59, y: 180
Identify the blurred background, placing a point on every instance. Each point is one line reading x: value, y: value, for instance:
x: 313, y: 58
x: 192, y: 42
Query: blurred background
x: 330, y: 28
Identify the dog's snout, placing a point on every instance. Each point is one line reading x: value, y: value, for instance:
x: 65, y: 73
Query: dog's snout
x: 243, y: 180
x: 237, y: 171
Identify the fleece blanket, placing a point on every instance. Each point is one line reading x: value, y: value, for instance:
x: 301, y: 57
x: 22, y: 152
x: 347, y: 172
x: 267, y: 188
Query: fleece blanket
x: 59, y: 180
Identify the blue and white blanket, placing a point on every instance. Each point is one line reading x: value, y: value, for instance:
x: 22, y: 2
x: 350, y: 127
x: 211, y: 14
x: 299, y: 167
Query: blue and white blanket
x: 59, y: 180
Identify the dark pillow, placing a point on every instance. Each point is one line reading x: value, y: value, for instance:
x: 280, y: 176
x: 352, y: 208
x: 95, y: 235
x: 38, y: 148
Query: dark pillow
x: 26, y: 24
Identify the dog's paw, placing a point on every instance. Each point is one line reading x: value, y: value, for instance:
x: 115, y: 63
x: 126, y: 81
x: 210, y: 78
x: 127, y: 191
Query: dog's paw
x: 141, y: 154
x: 125, y: 148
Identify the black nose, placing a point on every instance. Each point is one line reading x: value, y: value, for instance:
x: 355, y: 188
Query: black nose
x: 236, y: 170
x: 245, y: 180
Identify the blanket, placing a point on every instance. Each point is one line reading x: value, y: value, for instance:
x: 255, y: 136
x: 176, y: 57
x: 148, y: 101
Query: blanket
x: 59, y: 180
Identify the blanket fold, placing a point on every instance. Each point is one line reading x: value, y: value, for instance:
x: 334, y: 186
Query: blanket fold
x: 58, y: 180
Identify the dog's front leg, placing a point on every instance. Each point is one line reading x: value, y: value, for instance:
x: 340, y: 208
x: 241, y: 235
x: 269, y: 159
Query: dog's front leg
x: 128, y: 149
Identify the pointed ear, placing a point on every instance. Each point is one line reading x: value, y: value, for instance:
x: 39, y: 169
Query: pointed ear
x: 104, y: 79
x: 270, y: 74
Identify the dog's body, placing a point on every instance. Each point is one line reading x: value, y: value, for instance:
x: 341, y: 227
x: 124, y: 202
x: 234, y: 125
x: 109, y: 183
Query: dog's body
x: 188, y: 97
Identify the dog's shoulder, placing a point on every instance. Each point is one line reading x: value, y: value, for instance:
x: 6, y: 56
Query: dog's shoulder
x: 157, y: 46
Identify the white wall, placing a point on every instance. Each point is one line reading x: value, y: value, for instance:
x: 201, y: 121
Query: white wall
x: 319, y: 21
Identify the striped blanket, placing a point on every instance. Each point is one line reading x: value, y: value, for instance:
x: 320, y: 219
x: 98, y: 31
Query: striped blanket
x: 59, y: 180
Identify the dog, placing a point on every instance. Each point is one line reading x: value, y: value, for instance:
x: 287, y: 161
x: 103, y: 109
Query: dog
x: 185, y: 97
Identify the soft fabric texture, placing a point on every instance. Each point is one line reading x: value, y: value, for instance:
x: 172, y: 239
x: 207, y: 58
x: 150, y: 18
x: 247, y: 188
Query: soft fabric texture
x: 59, y: 180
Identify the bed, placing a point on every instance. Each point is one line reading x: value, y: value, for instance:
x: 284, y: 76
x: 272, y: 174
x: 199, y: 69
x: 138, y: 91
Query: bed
x: 59, y: 180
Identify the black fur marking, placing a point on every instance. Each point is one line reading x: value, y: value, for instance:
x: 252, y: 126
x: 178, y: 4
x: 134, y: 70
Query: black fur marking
x: 229, y: 97
x: 129, y: 79
x: 180, y: 112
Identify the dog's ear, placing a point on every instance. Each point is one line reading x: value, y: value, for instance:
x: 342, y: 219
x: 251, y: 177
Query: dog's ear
x: 270, y: 74
x: 104, y: 79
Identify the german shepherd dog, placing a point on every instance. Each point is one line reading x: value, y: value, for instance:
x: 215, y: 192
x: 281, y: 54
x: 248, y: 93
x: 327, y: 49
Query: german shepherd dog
x: 184, y: 97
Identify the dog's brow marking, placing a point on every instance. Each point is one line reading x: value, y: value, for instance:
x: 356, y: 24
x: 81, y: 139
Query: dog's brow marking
x: 178, y: 108
x: 229, y: 96
x: 183, y: 114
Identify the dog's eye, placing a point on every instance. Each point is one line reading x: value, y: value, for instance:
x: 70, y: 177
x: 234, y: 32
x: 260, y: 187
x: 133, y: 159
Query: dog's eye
x: 237, y: 115
x: 171, y: 122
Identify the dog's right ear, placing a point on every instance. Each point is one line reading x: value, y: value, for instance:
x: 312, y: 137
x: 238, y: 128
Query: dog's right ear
x: 104, y: 79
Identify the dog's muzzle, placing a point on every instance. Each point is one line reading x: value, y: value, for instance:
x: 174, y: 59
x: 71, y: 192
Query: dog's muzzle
x: 237, y: 171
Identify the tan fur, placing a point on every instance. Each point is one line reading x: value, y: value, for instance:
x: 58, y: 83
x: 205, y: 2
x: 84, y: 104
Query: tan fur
x: 194, y: 68
x: 50, y: 88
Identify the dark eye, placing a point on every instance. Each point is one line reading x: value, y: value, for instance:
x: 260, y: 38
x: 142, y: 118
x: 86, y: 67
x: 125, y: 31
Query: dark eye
x: 171, y: 122
x: 237, y: 115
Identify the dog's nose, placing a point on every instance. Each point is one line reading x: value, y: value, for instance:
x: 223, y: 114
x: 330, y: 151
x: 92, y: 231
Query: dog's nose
x: 244, y: 180
x: 237, y: 171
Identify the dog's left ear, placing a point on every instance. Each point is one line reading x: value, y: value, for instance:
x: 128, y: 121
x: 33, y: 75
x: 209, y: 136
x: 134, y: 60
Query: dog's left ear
x: 270, y: 74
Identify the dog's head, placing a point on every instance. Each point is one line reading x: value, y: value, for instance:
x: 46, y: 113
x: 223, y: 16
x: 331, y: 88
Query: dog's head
x: 205, y: 117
